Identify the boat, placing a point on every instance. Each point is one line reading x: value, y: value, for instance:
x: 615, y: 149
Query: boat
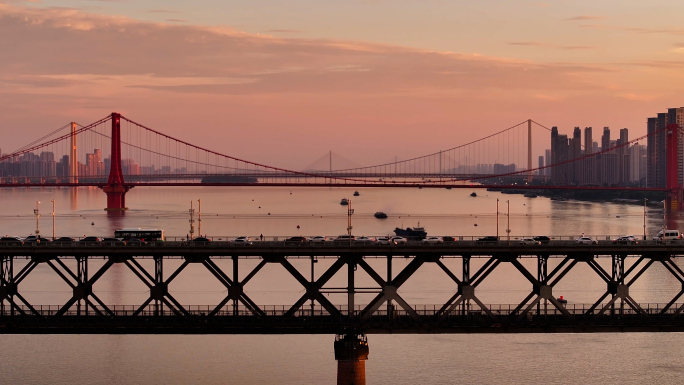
x: 411, y: 233
x: 344, y: 202
x: 473, y: 194
x: 356, y: 193
x: 380, y: 215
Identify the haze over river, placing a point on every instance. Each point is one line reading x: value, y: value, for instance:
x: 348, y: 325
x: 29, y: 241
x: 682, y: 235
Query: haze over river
x: 227, y: 212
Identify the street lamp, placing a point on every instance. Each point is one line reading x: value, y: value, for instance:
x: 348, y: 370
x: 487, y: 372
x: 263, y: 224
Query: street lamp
x: 497, y: 218
x: 199, y: 216
x: 36, y: 212
x: 645, y: 200
x: 53, y: 219
x: 192, y: 221
x: 350, y: 212
x: 508, y: 221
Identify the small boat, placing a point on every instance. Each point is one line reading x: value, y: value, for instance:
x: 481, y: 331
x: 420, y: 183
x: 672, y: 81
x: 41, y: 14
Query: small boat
x: 473, y: 194
x: 380, y: 215
x: 344, y: 202
x: 356, y: 193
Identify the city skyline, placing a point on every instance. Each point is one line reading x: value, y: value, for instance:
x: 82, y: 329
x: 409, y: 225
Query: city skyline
x: 350, y: 79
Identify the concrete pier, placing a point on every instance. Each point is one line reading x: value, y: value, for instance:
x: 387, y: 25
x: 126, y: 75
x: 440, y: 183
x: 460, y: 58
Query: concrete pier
x: 351, y: 353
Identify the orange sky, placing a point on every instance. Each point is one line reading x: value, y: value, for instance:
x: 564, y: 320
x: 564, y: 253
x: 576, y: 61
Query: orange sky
x: 273, y: 93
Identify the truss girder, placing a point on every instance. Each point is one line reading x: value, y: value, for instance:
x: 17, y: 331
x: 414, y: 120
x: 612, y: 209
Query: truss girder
x: 161, y: 302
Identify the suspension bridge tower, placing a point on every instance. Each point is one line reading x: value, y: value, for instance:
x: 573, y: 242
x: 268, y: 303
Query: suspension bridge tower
x: 675, y: 194
x: 115, y: 188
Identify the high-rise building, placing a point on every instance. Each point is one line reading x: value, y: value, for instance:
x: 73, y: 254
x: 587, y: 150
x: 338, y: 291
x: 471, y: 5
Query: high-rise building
x: 637, y: 165
x: 623, y: 157
x: 676, y: 116
x: 651, y: 156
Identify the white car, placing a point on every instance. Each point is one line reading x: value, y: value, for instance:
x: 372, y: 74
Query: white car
x: 242, y: 241
x: 365, y: 239
x: 397, y: 240
x: 433, y: 240
x: 626, y: 240
x: 528, y: 242
x: 383, y: 241
x: 318, y: 239
x: 585, y: 241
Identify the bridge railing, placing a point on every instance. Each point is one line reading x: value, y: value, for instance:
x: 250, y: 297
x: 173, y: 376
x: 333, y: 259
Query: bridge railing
x: 498, y: 310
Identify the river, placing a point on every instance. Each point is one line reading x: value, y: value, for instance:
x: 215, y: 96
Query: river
x: 308, y: 359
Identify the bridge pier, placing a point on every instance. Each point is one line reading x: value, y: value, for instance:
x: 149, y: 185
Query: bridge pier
x: 116, y: 197
x: 351, y: 353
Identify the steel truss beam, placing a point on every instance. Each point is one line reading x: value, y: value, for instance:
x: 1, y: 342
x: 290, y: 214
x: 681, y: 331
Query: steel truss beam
x: 84, y: 302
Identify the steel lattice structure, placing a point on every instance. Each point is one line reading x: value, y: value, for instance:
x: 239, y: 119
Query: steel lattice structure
x: 84, y: 312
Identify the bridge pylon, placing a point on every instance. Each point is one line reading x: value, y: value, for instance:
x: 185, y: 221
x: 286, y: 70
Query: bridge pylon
x: 115, y: 188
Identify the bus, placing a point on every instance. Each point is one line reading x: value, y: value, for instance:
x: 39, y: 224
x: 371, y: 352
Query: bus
x: 148, y: 235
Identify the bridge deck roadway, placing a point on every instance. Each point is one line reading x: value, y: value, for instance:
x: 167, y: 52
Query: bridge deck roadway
x: 269, y: 249
x: 387, y: 312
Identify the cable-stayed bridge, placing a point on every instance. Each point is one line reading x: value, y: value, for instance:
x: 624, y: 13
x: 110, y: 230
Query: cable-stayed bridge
x: 117, y: 153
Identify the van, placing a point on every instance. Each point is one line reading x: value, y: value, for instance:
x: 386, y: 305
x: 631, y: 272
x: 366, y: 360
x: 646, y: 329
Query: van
x: 668, y: 235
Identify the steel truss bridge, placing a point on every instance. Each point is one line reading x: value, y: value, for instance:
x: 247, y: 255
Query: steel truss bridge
x: 387, y: 312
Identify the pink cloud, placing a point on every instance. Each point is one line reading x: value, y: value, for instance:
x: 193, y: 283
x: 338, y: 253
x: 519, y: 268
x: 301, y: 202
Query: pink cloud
x: 247, y: 94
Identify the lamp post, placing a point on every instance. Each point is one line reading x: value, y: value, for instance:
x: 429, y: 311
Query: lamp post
x: 350, y: 212
x: 497, y: 219
x: 192, y: 221
x: 36, y: 212
x: 645, y: 218
x: 199, y: 216
x: 508, y: 221
x: 53, y: 219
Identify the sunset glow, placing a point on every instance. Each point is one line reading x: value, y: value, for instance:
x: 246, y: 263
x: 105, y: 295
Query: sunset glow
x: 369, y: 79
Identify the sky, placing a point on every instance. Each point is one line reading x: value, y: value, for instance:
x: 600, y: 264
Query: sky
x: 284, y: 82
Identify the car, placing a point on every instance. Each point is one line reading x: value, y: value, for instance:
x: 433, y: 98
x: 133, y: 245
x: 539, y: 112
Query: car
x: 318, y: 239
x: 383, y: 241
x: 397, y: 240
x: 543, y: 239
x: 201, y: 240
x: 296, y: 240
x: 113, y: 242
x: 365, y: 239
x: 90, y: 240
x: 626, y: 240
x: 63, y: 241
x: 433, y: 240
x: 242, y: 241
x: 448, y: 239
x: 345, y: 238
x: 586, y: 241
x: 488, y: 239
x: 136, y: 242
x: 529, y: 242
x: 35, y: 240
x: 11, y: 241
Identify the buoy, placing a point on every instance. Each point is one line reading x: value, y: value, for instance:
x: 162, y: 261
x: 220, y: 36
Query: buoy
x: 297, y: 226
x: 92, y: 223
x: 475, y: 224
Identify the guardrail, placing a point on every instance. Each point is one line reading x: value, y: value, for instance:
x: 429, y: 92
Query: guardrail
x: 503, y: 310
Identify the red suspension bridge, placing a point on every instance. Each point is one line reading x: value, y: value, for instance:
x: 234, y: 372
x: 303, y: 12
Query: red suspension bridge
x: 116, y: 154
